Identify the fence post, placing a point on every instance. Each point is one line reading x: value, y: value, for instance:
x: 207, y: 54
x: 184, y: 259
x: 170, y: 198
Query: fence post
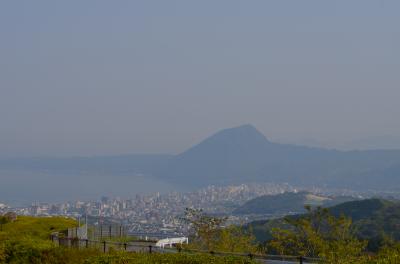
x: 150, y: 246
x: 301, y: 259
x: 86, y: 243
x: 104, y: 246
x: 125, y: 246
x: 250, y: 256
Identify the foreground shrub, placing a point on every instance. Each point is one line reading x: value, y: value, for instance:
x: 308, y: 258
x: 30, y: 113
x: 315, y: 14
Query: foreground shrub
x: 388, y: 255
x: 209, y: 233
x: 145, y: 258
x: 319, y: 234
x: 35, y: 251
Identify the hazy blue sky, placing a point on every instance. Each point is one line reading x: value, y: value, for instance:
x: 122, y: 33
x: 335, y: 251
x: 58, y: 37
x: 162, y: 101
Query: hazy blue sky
x: 104, y: 77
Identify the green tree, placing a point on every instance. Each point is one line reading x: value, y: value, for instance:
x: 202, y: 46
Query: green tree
x: 388, y: 254
x: 204, y: 229
x: 3, y: 220
x: 236, y: 239
x: 319, y: 234
x: 209, y: 233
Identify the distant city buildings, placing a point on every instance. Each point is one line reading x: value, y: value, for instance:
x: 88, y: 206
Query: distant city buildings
x: 157, y: 213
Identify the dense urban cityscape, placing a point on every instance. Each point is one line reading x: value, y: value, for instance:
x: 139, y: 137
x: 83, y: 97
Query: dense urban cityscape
x: 161, y: 214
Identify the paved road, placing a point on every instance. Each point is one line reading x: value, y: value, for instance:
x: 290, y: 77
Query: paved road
x: 278, y: 262
x: 264, y: 261
x: 268, y: 261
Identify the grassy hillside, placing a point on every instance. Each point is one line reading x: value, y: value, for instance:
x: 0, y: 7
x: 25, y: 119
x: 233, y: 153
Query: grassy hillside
x: 27, y: 241
x: 35, y: 227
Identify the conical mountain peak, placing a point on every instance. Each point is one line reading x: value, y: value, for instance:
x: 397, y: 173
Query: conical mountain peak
x: 241, y: 138
x: 243, y: 131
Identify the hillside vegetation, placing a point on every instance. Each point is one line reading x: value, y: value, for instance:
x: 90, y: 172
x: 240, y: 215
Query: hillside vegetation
x: 27, y: 240
x: 326, y: 234
x: 330, y: 238
x: 35, y: 227
x: 375, y: 220
x: 288, y: 202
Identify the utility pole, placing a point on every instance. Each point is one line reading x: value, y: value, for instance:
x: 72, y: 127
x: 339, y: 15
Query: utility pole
x: 86, y: 227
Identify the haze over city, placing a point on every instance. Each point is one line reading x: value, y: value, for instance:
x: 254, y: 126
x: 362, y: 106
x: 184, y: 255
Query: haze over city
x: 200, y: 131
x: 95, y: 78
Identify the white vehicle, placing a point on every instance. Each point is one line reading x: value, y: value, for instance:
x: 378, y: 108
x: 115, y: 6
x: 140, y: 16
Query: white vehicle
x: 171, y: 241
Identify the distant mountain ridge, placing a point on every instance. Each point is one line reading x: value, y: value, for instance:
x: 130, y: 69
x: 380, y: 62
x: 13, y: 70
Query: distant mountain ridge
x: 288, y: 202
x: 241, y: 155
x: 225, y: 156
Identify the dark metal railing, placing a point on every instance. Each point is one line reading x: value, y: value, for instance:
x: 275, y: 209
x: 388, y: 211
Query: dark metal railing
x: 149, y: 247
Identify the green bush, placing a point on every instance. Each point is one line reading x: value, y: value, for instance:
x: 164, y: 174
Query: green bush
x: 388, y: 255
x: 34, y: 251
x: 146, y: 258
x: 25, y: 250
